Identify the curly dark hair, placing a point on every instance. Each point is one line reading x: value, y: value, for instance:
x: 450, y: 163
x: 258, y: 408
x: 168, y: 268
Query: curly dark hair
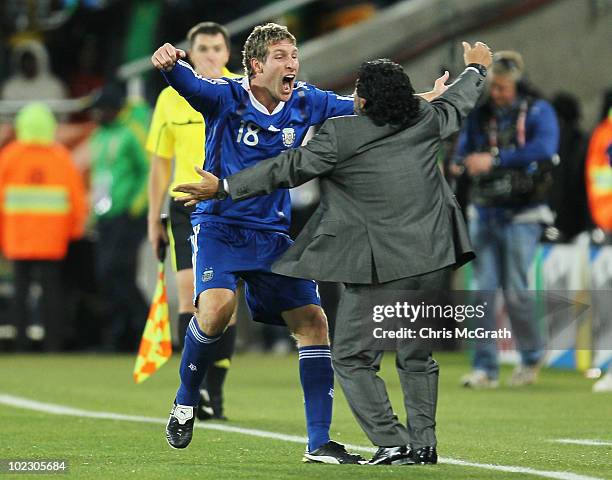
x: 388, y: 93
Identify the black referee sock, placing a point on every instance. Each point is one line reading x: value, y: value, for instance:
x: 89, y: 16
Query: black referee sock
x: 183, y: 322
x: 215, y: 377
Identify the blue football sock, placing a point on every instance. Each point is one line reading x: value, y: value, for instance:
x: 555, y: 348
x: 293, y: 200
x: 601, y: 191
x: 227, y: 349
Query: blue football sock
x: 317, y: 379
x: 198, y: 354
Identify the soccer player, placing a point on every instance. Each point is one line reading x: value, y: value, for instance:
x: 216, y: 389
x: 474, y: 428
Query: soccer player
x: 248, y: 120
x: 177, y: 131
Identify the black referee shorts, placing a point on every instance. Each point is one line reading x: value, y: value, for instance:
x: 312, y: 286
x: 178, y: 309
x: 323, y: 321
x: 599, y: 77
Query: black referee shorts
x: 179, y: 232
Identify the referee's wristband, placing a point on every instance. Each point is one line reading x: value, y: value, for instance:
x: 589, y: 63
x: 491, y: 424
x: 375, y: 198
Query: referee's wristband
x: 478, y: 67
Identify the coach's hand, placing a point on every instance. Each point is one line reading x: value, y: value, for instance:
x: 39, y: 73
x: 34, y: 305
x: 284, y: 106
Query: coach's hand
x: 440, y: 84
x: 439, y: 88
x: 204, y: 190
x: 480, y: 53
x: 166, y: 56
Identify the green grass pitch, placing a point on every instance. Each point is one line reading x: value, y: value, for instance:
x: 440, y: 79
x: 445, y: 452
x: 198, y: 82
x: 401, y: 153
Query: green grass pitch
x: 512, y: 427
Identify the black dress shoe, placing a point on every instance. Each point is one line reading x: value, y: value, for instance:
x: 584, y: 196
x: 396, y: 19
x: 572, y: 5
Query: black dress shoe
x: 425, y: 455
x: 392, y: 456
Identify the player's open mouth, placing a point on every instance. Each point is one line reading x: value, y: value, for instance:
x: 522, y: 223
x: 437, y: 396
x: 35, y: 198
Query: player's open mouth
x: 288, y: 83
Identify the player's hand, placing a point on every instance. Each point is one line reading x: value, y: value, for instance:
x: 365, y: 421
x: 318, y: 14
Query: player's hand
x: 204, y: 190
x: 166, y: 56
x: 157, y: 233
x: 440, y: 84
x: 479, y: 53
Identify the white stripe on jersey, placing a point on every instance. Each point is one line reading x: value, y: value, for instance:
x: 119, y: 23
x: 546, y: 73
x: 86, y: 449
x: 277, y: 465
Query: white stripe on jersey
x: 214, y: 81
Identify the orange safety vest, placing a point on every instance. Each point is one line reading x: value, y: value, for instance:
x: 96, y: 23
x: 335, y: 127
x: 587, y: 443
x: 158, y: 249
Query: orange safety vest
x: 43, y: 203
x: 599, y: 176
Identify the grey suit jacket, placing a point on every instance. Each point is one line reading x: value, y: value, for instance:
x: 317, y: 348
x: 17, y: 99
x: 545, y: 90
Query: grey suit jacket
x: 385, y: 212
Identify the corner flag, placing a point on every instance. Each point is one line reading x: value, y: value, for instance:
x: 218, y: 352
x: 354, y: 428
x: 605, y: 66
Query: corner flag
x: 156, y: 344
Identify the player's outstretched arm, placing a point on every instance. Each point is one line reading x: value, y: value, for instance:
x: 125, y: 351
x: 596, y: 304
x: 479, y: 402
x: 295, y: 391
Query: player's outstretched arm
x: 166, y: 56
x: 178, y: 74
x: 203, y: 94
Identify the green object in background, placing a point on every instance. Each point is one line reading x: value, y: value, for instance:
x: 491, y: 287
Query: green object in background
x: 35, y: 123
x: 540, y: 305
x: 6, y: 272
x: 119, y: 169
x: 464, y: 277
x: 140, y: 36
x: 136, y: 114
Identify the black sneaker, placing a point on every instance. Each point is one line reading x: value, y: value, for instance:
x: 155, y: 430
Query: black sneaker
x: 392, y: 456
x: 204, y: 410
x: 179, y: 429
x: 425, y: 455
x: 334, y: 453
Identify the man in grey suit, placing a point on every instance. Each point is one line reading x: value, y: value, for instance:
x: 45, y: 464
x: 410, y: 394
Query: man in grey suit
x: 387, y: 221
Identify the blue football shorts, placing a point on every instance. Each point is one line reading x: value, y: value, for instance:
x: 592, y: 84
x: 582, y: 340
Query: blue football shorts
x: 222, y: 253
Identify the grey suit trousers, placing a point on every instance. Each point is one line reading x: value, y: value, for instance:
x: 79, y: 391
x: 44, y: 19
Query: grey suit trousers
x: 357, y: 369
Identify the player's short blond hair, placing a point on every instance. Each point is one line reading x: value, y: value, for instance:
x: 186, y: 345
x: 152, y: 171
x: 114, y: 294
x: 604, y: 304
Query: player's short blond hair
x: 256, y: 45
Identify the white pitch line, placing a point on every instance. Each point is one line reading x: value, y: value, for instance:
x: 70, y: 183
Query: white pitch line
x: 25, y: 403
x: 572, y: 441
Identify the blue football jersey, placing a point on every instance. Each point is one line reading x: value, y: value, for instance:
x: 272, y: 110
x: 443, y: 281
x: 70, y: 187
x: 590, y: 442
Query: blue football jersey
x: 241, y: 132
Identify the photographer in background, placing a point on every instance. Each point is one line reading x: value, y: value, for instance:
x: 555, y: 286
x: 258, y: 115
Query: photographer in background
x: 508, y: 148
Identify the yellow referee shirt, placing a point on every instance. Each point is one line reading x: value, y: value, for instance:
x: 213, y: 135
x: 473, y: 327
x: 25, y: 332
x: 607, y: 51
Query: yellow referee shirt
x: 177, y: 131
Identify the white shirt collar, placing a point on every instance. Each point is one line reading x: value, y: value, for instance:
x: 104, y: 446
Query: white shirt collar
x: 246, y: 85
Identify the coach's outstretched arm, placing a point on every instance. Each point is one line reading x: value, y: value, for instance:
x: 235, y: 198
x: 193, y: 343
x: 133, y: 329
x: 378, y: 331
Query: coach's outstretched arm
x: 287, y: 170
x: 461, y: 97
x: 291, y: 168
x: 203, y: 94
